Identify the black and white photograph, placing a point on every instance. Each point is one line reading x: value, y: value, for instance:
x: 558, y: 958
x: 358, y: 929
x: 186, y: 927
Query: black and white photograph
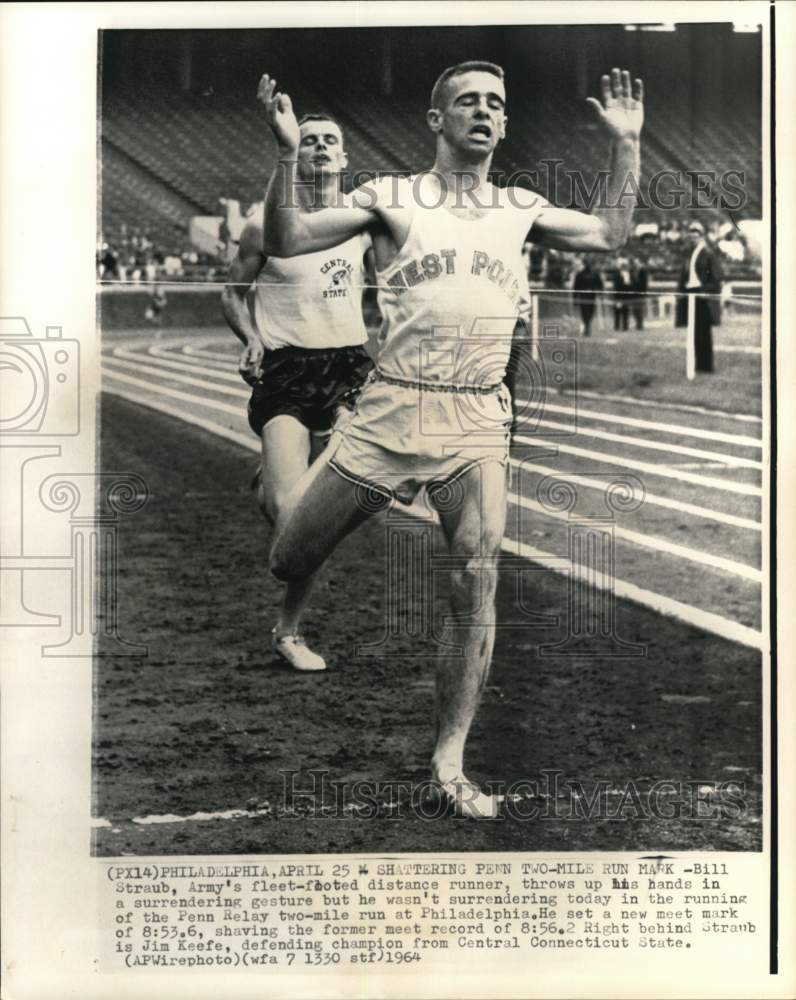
x: 395, y: 459
x: 504, y: 302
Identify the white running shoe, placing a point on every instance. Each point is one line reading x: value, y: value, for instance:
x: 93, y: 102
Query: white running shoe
x: 292, y: 647
x: 464, y: 798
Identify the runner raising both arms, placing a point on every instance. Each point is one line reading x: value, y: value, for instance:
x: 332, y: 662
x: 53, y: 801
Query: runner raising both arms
x: 434, y: 413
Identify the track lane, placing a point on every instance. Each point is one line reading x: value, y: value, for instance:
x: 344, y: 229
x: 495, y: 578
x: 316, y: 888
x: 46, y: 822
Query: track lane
x: 695, y: 527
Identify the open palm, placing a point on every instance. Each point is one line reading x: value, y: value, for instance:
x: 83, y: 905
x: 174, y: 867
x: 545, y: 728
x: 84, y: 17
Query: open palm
x: 622, y: 110
x: 279, y: 113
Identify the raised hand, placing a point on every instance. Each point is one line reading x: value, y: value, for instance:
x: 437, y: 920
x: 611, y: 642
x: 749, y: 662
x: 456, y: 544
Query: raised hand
x: 622, y: 110
x: 279, y: 114
x: 251, y: 361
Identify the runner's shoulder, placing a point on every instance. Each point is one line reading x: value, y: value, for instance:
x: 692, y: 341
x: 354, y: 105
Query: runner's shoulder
x: 522, y: 198
x: 383, y: 193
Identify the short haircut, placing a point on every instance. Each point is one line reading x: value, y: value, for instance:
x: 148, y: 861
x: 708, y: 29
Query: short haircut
x: 473, y: 66
x: 318, y: 117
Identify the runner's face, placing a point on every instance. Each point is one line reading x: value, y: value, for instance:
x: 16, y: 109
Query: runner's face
x: 320, y: 152
x: 473, y: 120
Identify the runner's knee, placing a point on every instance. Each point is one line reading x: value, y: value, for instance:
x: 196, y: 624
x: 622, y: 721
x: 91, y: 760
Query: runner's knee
x: 280, y: 563
x: 475, y: 574
x: 286, y: 563
x: 273, y: 503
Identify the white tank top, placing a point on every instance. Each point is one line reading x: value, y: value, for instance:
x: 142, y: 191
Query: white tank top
x: 314, y: 300
x: 451, y: 298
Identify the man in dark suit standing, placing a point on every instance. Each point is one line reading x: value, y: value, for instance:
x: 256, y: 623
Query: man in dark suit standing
x: 621, y: 281
x: 639, y: 282
x: 586, y: 287
x: 701, y: 272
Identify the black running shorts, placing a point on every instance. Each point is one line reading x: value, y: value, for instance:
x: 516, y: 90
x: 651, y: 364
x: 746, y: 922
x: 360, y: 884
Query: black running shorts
x: 310, y: 385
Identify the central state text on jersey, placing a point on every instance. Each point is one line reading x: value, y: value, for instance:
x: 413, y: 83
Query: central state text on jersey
x: 435, y: 265
x: 338, y: 270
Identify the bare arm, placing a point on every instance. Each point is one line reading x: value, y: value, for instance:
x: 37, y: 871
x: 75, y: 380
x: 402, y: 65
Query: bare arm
x: 608, y: 226
x: 242, y: 272
x: 370, y: 306
x: 289, y: 228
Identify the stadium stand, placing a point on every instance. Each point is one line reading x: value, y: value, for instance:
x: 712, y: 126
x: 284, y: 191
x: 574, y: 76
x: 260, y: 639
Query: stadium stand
x: 171, y: 152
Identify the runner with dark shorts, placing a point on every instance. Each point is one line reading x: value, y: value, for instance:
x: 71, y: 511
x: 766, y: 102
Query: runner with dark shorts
x: 304, y: 352
x: 308, y: 385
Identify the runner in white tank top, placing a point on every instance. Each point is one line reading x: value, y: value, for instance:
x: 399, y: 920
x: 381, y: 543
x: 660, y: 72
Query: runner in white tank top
x: 303, y: 351
x: 456, y: 281
x: 313, y: 301
x: 436, y: 405
x: 434, y: 396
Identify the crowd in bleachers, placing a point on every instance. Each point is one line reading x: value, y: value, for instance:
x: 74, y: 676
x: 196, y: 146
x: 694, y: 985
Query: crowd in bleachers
x: 129, y: 255
x: 166, y: 159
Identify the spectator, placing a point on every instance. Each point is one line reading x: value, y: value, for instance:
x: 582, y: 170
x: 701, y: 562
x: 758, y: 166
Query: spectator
x: 555, y: 305
x: 110, y: 264
x: 622, y: 287
x: 156, y: 307
x: 586, y: 287
x: 639, y: 281
x: 700, y: 279
x: 172, y: 265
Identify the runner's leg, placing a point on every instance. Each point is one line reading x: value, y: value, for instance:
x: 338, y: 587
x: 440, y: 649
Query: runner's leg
x: 287, y: 449
x: 325, y: 508
x: 474, y: 532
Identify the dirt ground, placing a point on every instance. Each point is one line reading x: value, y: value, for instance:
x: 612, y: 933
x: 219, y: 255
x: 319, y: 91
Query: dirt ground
x: 210, y: 720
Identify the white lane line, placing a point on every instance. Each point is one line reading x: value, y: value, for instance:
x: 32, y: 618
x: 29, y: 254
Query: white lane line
x: 595, y: 483
x: 200, y: 817
x: 731, y: 461
x: 241, y: 393
x: 163, y: 360
x: 654, y: 542
x: 696, y: 465
x: 724, y: 349
x: 652, y: 425
x: 212, y: 404
x: 727, y: 382
x: 194, y: 359
x: 705, y: 620
x: 218, y: 362
x: 639, y: 401
x: 173, y: 377
x: 209, y: 355
x: 197, y: 817
x: 570, y: 449
x: 729, y: 485
x: 244, y: 440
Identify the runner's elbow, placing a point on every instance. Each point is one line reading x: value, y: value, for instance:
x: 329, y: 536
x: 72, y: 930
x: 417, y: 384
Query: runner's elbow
x: 281, y: 245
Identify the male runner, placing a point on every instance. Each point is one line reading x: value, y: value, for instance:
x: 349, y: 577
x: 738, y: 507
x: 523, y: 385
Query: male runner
x: 303, y: 353
x: 448, y: 255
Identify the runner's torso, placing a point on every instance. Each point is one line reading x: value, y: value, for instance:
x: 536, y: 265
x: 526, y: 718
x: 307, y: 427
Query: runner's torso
x: 314, y: 300
x: 451, y: 295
